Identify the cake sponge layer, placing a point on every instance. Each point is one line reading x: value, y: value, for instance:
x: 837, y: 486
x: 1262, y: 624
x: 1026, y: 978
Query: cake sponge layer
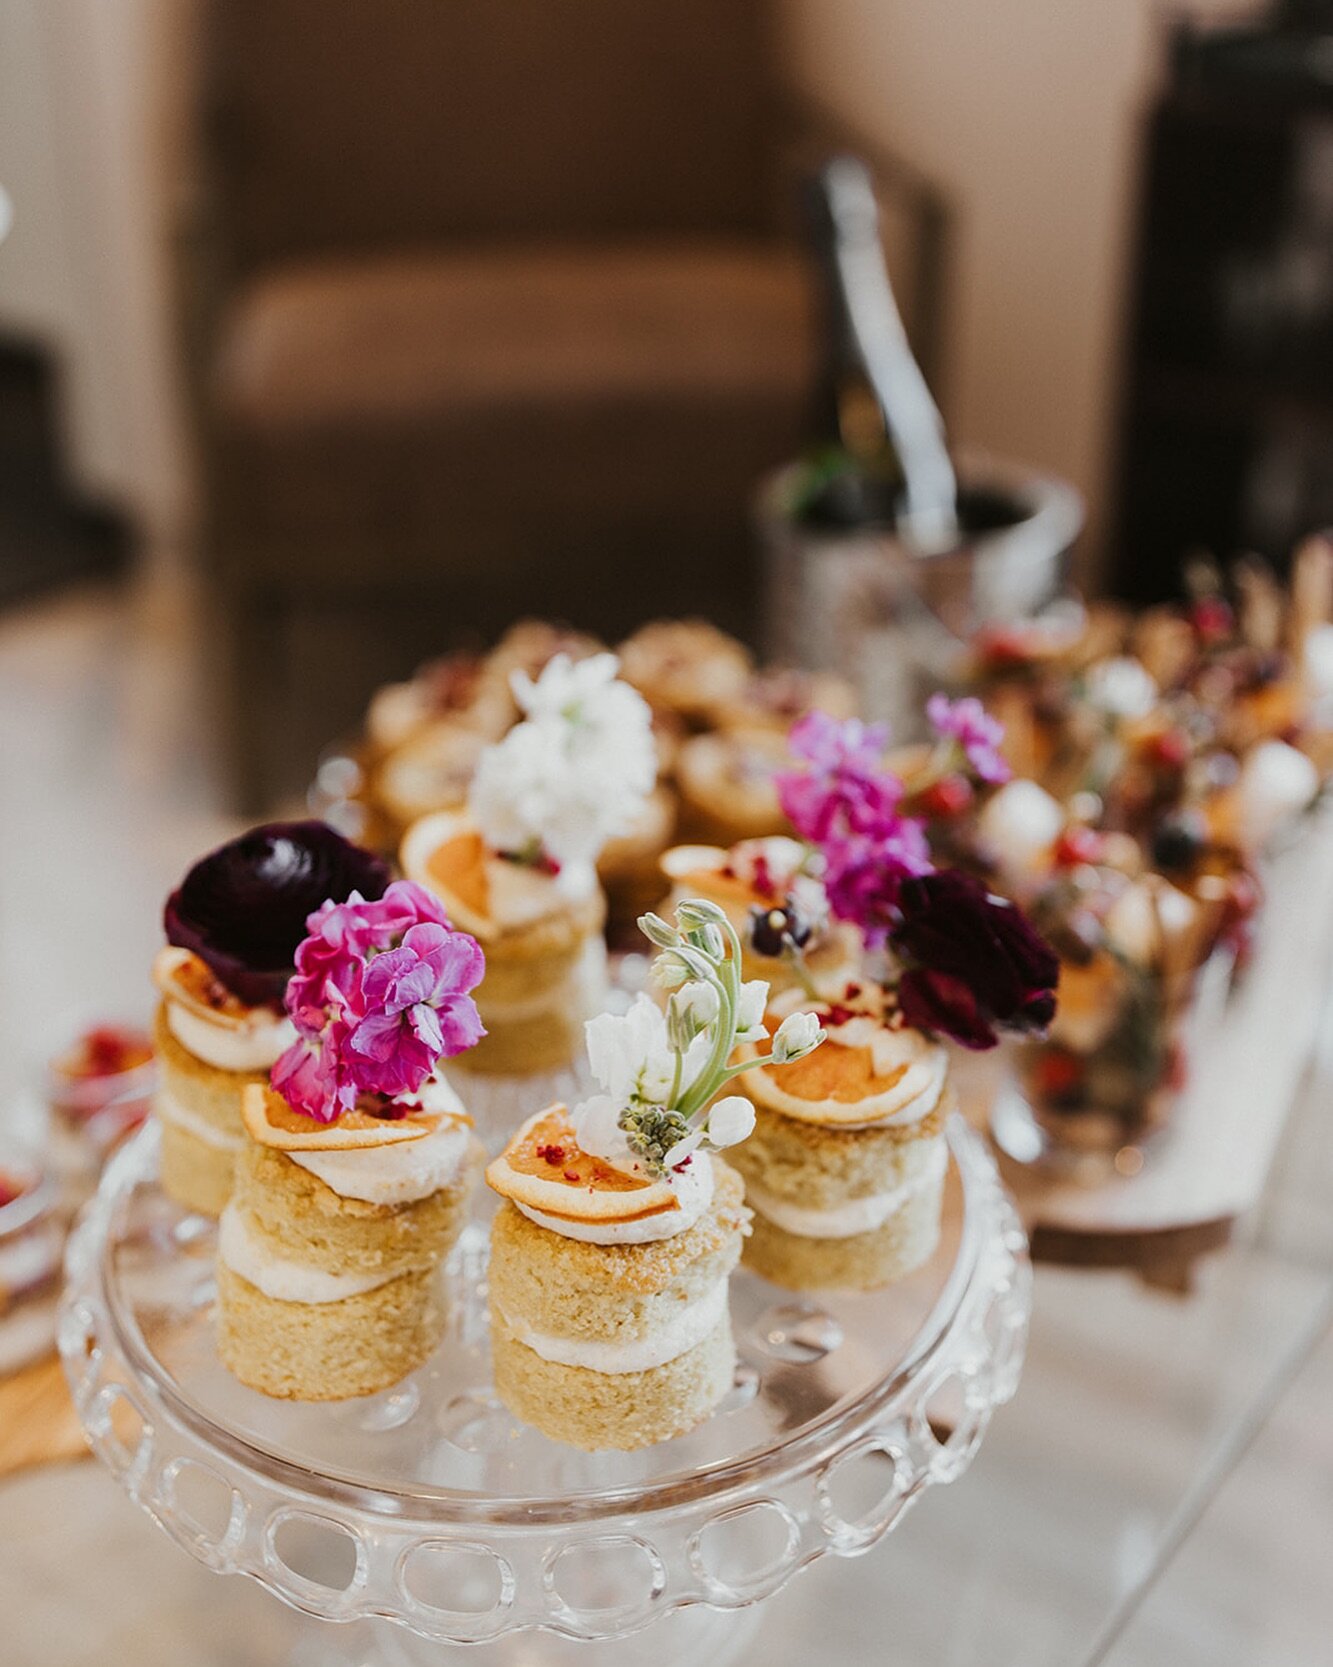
x: 297, y: 1216
x: 328, y: 1351
x: 612, y: 1293
x: 205, y: 1091
x: 820, y: 1167
x: 193, y: 1173
x: 861, y: 1263
x: 622, y: 1410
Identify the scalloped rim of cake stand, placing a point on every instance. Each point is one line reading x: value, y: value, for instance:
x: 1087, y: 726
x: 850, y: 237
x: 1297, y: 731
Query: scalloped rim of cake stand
x: 975, y: 1333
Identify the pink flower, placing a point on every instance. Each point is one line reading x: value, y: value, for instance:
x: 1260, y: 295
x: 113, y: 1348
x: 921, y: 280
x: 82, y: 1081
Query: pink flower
x: 416, y: 1009
x: 846, y: 803
x: 314, y: 1076
x: 844, y: 786
x: 379, y: 997
x: 979, y: 735
x: 864, y: 875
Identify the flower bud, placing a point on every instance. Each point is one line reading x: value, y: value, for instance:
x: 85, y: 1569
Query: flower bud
x: 656, y: 930
x: 797, y: 1035
x: 730, y: 1121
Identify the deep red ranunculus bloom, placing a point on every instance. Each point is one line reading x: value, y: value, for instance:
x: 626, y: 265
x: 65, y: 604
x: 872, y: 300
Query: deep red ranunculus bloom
x: 975, y: 964
x: 243, y: 908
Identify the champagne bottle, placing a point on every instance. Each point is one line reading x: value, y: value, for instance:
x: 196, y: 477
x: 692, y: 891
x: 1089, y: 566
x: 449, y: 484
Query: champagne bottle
x: 882, y: 459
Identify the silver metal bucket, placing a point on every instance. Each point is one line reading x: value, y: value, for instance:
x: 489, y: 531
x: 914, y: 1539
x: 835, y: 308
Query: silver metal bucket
x: 897, y: 624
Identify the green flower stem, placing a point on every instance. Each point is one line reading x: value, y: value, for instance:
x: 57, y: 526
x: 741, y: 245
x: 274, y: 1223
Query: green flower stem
x: 727, y: 980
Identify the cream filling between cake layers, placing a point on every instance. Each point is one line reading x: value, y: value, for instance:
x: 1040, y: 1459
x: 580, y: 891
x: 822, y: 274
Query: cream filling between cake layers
x: 398, y: 1174
x: 681, y: 1333
x: 170, y: 1110
x: 278, y: 1276
x: 693, y: 1190
x: 253, y: 1044
x: 857, y: 1215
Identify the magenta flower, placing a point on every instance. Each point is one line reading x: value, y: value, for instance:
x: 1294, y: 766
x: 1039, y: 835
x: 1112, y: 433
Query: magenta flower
x: 416, y: 1009
x: 844, y: 787
x: 979, y: 735
x: 315, y: 1077
x: 379, y: 997
x: 846, y: 803
x: 863, y: 876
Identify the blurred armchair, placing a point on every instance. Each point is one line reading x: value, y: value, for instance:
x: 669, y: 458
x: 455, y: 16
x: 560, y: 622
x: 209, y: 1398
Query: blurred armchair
x: 489, y: 311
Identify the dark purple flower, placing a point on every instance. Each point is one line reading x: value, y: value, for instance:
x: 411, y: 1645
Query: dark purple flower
x: 975, y: 963
x: 243, y: 908
x: 978, y: 734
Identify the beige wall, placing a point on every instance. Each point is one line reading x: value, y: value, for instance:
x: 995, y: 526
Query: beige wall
x: 1027, y: 113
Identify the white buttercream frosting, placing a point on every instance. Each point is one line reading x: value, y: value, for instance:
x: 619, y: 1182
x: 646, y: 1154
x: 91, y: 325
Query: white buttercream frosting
x: 278, y: 1276
x: 253, y: 1044
x: 857, y: 1215
x: 519, y: 894
x: 170, y: 1110
x: 396, y: 1174
x: 682, y: 1332
x: 693, y: 1189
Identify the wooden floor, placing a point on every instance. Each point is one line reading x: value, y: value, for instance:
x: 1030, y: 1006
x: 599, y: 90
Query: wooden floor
x: 1159, y: 1495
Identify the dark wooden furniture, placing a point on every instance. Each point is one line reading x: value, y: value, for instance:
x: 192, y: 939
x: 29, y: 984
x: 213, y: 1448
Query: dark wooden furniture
x: 1226, y: 433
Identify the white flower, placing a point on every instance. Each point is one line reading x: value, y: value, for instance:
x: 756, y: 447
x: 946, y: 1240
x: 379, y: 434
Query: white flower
x: 701, y: 999
x: 630, y: 1054
x: 598, y: 1132
x: 730, y: 1121
x: 576, y: 773
x: 1122, y: 688
x: 796, y: 1036
x: 691, y: 1009
x: 750, y: 1010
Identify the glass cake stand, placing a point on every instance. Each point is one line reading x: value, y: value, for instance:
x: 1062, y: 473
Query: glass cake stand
x: 432, y: 1507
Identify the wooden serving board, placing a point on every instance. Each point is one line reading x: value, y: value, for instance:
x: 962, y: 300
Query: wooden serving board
x: 1211, y: 1165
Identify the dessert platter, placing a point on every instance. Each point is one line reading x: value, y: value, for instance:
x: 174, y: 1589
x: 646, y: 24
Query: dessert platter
x: 452, y: 1284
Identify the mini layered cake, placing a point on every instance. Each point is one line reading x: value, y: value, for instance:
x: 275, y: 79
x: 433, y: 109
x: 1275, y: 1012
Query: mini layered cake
x: 545, y: 958
x: 611, y: 1254
x: 608, y: 1291
x: 517, y: 867
x: 233, y: 926
x: 777, y: 905
x: 329, y: 1251
x: 210, y: 1047
x: 353, y: 1181
x: 629, y: 867
x: 845, y: 1169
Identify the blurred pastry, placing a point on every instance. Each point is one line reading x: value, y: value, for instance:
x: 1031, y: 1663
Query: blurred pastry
x: 772, y: 896
x: 727, y: 790
x: 430, y: 772
x: 686, y: 666
x: 629, y: 867
x: 442, y: 688
x: 775, y: 697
